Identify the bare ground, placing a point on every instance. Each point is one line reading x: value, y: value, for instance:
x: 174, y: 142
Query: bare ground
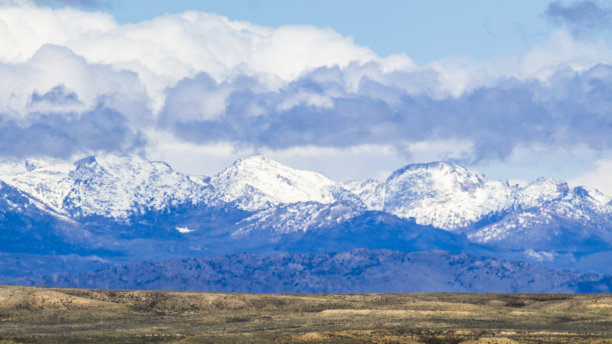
x: 53, y: 315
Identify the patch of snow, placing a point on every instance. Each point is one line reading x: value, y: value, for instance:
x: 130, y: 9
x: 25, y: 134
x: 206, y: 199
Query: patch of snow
x: 371, y: 192
x: 540, y: 256
x: 297, y: 217
x: 183, y: 230
x: 541, y: 191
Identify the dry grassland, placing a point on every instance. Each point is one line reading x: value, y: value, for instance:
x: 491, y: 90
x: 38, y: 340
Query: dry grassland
x: 53, y: 315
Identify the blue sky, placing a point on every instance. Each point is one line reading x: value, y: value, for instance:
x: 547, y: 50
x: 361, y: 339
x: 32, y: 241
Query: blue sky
x: 354, y: 89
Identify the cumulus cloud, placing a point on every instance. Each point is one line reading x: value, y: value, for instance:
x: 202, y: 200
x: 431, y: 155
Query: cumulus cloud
x: 572, y: 108
x: 581, y: 16
x: 56, y: 80
x: 600, y: 176
x: 63, y: 135
x: 80, y: 81
x: 167, y: 49
x: 56, y: 104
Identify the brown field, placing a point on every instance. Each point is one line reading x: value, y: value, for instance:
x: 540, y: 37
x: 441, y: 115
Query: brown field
x: 53, y: 315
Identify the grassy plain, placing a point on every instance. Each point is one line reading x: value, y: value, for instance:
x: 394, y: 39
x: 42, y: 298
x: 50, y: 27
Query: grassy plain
x: 54, y: 315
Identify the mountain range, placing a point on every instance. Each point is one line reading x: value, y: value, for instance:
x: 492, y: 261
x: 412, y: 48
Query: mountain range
x: 355, y: 271
x: 110, y: 210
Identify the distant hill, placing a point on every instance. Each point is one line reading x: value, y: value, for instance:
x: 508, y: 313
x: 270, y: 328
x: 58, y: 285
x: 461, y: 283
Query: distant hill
x: 355, y: 271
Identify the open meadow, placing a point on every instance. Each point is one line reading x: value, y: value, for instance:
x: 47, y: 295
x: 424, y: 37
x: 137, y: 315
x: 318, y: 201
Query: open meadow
x: 53, y: 315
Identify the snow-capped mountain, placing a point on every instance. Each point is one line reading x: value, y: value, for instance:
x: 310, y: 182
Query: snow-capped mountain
x: 546, y: 213
x: 127, y: 208
x: 114, y: 186
x: 27, y: 226
x: 13, y: 201
x: 444, y: 195
x: 278, y: 199
x: 258, y: 182
x: 45, y: 181
x: 552, y: 216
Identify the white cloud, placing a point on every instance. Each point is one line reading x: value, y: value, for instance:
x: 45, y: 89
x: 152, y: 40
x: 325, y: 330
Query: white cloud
x: 86, y: 58
x: 459, y: 75
x: 170, y: 48
x: 357, y: 162
x: 599, y: 178
x: 289, y: 51
x: 82, y: 86
x: 193, y: 159
x: 561, y: 51
x: 24, y: 29
x: 307, y: 98
x: 528, y: 163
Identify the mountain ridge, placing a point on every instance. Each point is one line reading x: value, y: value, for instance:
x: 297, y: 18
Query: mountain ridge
x: 355, y: 271
x: 264, y: 175
x: 132, y: 208
x: 444, y: 195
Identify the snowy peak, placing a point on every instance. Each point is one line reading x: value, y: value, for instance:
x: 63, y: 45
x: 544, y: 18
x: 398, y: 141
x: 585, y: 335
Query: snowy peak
x: 258, y: 182
x: 89, y: 162
x: 444, y: 195
x: 593, y: 197
x: 104, y: 185
x: 119, y: 185
x: 439, y: 175
x: 547, y: 211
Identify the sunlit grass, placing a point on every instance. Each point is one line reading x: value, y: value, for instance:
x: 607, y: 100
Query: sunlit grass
x: 53, y: 315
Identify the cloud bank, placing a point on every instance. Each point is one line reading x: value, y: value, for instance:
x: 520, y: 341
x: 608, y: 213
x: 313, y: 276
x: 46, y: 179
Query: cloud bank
x: 571, y: 108
x: 80, y: 82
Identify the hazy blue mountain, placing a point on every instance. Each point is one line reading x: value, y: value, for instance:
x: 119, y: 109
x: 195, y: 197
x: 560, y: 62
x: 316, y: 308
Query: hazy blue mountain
x: 355, y: 271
